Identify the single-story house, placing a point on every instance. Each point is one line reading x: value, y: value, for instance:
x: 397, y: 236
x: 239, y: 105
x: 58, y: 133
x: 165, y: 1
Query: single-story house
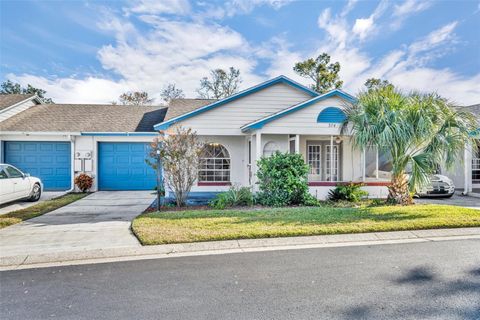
x: 110, y: 142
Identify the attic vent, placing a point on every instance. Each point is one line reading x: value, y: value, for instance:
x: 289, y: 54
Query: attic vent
x: 331, y: 115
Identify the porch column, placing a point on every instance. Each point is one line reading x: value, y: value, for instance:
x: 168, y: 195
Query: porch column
x: 258, y: 155
x: 297, y: 143
x: 467, y: 164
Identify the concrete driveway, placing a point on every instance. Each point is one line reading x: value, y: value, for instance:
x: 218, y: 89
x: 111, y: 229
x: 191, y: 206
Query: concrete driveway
x: 456, y: 200
x: 99, y: 221
x: 17, y: 205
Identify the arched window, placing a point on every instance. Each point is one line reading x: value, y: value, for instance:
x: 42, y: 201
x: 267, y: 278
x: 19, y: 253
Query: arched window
x: 331, y: 115
x: 270, y: 148
x: 214, y: 164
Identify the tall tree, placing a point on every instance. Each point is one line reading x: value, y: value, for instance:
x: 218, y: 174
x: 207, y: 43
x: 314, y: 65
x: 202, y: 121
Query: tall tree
x: 221, y: 84
x: 417, y: 131
x: 171, y: 92
x: 323, y: 73
x: 136, y: 98
x: 375, y: 84
x: 9, y: 87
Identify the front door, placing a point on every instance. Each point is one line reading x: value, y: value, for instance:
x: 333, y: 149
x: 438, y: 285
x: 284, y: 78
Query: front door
x: 324, y: 164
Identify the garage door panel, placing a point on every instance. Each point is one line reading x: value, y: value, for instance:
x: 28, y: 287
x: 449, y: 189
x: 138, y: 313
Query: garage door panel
x: 122, y: 166
x: 50, y: 161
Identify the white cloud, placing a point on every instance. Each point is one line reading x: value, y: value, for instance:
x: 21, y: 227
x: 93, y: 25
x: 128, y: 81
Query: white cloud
x: 364, y: 27
x: 404, y: 66
x: 179, y: 7
x: 171, y: 51
x: 406, y: 9
x: 336, y: 27
x: 434, y: 39
x: 71, y: 90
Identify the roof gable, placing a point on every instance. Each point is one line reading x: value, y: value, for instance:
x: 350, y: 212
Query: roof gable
x: 13, y: 99
x: 281, y: 79
x: 261, y: 122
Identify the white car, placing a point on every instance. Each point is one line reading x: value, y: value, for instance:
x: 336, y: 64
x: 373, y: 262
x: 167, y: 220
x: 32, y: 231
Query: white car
x: 439, y: 186
x: 16, y: 185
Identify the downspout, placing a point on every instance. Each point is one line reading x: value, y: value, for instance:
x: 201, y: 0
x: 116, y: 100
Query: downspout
x: 72, y: 163
x: 465, y: 171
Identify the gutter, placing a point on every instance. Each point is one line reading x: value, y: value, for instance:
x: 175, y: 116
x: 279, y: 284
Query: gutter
x: 125, y: 134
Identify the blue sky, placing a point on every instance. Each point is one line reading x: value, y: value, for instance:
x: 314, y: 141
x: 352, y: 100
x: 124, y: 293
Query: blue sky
x: 92, y: 51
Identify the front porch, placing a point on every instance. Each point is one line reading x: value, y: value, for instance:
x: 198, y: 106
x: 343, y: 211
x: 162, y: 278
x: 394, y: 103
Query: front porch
x: 331, y: 160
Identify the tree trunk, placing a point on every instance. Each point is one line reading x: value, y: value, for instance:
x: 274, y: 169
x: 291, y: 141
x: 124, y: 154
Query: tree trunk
x: 398, y: 191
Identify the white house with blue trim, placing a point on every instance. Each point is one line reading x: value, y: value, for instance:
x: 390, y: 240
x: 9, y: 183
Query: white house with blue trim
x: 58, y: 141
x: 279, y: 115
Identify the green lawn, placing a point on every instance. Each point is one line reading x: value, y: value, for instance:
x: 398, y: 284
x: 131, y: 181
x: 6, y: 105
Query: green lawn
x: 205, y: 225
x: 38, y: 209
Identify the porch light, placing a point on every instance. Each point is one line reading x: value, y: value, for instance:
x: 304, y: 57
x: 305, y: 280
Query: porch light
x: 338, y: 140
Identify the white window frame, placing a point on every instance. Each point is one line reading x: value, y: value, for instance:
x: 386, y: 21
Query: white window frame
x: 319, y: 159
x: 212, y: 172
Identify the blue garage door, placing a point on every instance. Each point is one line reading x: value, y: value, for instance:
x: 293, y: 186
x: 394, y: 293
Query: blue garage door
x: 50, y: 161
x: 122, y: 166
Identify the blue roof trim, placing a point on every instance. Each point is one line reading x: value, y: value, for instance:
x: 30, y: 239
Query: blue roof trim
x: 119, y: 134
x: 336, y: 92
x: 280, y: 79
x: 331, y: 115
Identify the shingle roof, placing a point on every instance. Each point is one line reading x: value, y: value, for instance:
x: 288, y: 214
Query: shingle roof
x: 474, y: 108
x: 7, y: 100
x: 86, y: 118
x: 177, y: 107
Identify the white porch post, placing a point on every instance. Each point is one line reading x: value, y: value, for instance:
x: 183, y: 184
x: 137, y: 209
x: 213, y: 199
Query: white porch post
x: 331, y: 158
x: 297, y: 143
x: 258, y: 155
x: 467, y: 165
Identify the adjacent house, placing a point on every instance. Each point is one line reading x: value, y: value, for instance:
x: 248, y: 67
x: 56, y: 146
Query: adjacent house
x: 57, y: 141
x: 110, y: 142
x: 466, y: 175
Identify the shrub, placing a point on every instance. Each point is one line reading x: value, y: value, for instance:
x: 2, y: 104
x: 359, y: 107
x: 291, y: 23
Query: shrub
x: 282, y: 179
x: 234, y: 197
x: 84, y: 182
x: 351, y: 192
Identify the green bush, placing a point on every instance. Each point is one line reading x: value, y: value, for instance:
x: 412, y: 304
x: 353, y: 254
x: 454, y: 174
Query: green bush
x: 351, y: 192
x: 234, y: 197
x: 283, y: 180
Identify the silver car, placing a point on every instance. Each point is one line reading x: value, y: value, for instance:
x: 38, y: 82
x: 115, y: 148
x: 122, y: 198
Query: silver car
x: 439, y: 186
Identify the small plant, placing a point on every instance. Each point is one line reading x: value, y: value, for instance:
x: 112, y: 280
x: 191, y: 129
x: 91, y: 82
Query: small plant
x: 282, y: 179
x: 83, y: 182
x: 351, y: 192
x: 234, y: 197
x: 378, y: 202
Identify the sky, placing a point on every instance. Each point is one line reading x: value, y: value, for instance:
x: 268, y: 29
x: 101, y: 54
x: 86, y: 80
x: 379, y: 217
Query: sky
x: 92, y: 51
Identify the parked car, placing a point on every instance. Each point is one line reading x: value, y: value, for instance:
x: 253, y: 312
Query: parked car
x: 16, y: 185
x: 439, y: 186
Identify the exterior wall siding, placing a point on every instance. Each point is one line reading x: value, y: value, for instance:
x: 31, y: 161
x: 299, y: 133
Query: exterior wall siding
x: 227, y: 119
x: 304, y: 121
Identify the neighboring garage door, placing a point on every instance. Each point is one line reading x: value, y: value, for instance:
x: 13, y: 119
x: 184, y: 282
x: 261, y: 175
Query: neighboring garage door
x: 122, y: 166
x: 50, y: 161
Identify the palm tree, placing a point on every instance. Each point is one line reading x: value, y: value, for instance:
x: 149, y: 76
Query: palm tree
x: 419, y: 132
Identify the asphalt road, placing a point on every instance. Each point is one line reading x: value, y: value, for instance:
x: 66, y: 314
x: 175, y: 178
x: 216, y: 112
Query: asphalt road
x: 431, y: 280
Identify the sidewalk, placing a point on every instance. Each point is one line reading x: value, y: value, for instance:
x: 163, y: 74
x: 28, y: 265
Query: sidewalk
x: 231, y: 246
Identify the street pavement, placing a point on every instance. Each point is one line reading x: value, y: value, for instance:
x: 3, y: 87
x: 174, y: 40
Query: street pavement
x: 424, y: 280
